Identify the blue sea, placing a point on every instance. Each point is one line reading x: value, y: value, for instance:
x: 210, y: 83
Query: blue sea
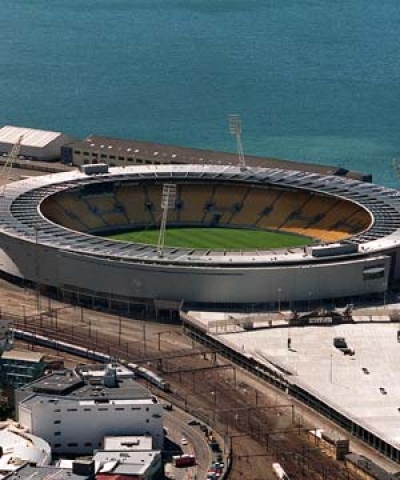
x: 313, y: 80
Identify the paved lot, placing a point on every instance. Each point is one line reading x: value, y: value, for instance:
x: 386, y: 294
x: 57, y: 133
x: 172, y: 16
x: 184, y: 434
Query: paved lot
x: 365, y: 386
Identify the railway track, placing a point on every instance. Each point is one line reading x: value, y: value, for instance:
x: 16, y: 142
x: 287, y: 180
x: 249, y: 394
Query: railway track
x: 212, y: 393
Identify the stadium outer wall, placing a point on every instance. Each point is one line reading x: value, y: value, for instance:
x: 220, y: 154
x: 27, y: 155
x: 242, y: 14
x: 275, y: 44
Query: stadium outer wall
x: 31, y: 251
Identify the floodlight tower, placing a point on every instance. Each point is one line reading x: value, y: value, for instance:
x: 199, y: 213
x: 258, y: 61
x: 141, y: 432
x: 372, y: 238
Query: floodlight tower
x: 168, y: 199
x: 11, y: 157
x: 235, y: 128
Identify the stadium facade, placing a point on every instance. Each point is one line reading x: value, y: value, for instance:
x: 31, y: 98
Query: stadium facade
x: 51, y: 235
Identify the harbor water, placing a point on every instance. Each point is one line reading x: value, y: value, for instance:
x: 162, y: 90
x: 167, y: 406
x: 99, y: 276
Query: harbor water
x: 315, y: 81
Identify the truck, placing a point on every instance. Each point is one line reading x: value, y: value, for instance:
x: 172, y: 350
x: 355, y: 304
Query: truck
x: 182, y: 461
x: 341, y: 344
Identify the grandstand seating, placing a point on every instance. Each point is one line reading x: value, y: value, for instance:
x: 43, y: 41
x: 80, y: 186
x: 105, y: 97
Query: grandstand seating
x: 106, y: 206
x: 57, y: 213
x: 324, y: 218
x: 258, y: 201
x: 225, y: 202
x: 195, y: 199
x: 132, y: 198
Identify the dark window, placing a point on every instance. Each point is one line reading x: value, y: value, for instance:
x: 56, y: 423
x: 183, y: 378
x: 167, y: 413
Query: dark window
x: 374, y: 273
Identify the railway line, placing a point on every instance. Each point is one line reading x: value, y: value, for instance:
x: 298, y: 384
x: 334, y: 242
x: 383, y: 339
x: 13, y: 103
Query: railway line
x: 255, y: 427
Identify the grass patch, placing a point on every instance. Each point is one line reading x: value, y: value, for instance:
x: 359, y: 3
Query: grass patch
x: 216, y: 238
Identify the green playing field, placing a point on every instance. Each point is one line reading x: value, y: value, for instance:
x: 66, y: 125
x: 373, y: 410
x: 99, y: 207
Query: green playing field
x: 216, y: 238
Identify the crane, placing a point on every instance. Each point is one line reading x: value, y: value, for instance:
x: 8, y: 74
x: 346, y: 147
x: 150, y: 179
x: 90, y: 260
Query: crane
x: 11, y: 157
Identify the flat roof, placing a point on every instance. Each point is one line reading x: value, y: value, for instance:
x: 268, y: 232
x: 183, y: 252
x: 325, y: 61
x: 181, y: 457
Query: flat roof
x: 24, y: 355
x: 361, y: 387
x: 126, y: 462
x: 178, y: 154
x: 68, y: 386
x: 128, y: 443
x: 27, y: 472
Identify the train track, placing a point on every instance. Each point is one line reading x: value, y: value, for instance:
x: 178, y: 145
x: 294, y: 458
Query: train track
x: 220, y: 403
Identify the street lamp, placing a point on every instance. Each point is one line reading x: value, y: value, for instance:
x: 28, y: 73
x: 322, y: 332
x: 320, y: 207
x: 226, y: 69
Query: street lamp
x: 37, y: 229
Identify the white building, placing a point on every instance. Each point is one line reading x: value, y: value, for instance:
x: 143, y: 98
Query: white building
x: 128, y: 458
x: 36, y: 144
x: 132, y: 465
x: 74, y: 415
x: 19, y: 447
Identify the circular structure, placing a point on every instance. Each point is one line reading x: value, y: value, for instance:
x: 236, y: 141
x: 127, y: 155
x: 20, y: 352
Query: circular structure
x: 51, y: 229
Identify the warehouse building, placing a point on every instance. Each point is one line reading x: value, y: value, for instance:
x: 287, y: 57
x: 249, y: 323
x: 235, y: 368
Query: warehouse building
x: 119, y: 152
x: 74, y: 414
x: 35, y: 144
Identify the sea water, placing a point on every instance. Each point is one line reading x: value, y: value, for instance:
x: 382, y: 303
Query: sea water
x: 313, y: 80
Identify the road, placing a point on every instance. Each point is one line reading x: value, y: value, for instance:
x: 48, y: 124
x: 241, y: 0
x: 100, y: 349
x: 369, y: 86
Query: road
x: 177, y: 427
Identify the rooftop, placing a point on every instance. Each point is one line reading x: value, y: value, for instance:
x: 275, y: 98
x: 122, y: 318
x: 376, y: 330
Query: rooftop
x: 20, y: 447
x: 27, y: 472
x: 125, y: 463
x: 176, y: 154
x: 128, y: 443
x: 31, y: 137
x: 357, y: 386
x: 66, y: 385
x: 23, y: 355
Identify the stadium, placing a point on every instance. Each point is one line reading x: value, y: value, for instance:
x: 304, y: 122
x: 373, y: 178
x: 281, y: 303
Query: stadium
x: 54, y: 232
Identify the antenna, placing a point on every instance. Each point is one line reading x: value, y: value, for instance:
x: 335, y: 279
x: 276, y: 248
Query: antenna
x: 235, y: 128
x: 167, y: 203
x: 11, y: 157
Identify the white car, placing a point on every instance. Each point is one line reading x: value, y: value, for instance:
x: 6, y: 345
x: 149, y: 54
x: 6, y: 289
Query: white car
x: 184, y: 441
